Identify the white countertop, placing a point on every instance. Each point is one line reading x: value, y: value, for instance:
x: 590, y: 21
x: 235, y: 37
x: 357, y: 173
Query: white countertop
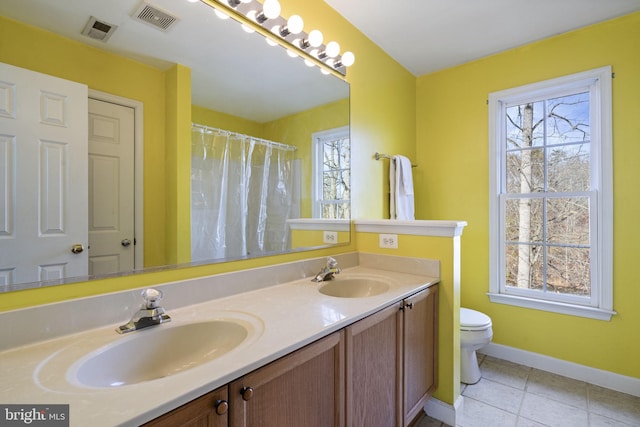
x: 284, y: 317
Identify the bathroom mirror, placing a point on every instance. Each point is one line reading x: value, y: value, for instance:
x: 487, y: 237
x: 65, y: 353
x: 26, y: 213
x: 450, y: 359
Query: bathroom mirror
x: 234, y: 74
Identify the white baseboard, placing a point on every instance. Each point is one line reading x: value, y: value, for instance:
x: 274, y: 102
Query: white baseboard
x: 442, y: 411
x: 611, y: 380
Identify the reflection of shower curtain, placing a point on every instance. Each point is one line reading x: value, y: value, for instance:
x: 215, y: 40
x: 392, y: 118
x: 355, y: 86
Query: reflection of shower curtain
x: 240, y: 194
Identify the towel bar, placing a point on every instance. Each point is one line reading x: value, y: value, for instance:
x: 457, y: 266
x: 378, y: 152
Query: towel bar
x: 379, y: 156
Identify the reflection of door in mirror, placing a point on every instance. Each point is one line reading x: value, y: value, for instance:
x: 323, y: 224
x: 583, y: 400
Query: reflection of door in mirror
x: 111, y: 195
x: 67, y: 200
x: 43, y: 225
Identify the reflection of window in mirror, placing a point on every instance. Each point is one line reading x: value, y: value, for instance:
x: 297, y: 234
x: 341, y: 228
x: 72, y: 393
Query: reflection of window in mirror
x: 332, y: 174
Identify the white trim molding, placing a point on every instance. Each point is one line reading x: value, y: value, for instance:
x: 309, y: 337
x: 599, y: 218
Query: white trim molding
x: 435, y: 228
x: 599, y: 377
x: 319, y: 224
x: 443, y: 411
x: 552, y: 306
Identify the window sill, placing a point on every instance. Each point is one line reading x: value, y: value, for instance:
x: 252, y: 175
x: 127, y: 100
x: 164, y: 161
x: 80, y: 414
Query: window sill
x: 551, y: 306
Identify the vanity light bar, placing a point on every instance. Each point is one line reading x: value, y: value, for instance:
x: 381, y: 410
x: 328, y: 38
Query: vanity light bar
x: 287, y: 32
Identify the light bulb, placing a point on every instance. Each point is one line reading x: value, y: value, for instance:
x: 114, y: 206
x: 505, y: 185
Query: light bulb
x: 295, y: 24
x: 348, y: 59
x: 193, y: 1
x: 248, y: 29
x: 309, y: 63
x: 271, y: 9
x: 292, y: 53
x: 246, y: 1
x: 332, y: 49
x: 253, y: 15
x: 220, y: 14
x: 270, y: 42
x: 315, y: 38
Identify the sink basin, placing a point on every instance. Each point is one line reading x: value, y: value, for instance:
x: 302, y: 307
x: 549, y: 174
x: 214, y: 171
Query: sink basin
x: 157, y: 352
x: 354, y: 287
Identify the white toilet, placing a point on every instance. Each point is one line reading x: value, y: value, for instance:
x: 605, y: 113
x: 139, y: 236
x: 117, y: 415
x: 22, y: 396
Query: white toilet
x: 475, y: 333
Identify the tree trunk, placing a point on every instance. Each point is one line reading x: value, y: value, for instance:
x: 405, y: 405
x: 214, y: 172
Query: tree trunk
x: 524, y: 206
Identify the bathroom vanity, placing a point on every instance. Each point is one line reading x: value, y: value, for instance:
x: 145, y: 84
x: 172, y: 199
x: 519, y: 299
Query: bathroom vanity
x: 377, y: 371
x: 306, y: 357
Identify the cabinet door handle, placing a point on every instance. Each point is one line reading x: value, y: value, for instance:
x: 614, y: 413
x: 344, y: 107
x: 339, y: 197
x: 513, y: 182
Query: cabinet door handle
x: 247, y: 393
x: 408, y: 305
x: 222, y: 406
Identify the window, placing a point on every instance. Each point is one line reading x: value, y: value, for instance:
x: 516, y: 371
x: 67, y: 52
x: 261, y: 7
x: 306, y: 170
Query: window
x: 551, y: 195
x: 332, y: 174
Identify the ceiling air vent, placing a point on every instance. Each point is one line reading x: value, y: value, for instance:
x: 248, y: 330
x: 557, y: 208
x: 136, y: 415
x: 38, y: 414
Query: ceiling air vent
x: 98, y: 30
x: 153, y: 15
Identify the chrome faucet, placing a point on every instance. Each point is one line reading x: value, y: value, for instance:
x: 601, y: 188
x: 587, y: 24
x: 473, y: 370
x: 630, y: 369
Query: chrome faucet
x: 327, y: 271
x: 149, y: 314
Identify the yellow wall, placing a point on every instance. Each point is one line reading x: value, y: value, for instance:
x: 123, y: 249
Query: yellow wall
x: 383, y: 97
x: 178, y: 164
x: 297, y: 130
x: 452, y: 139
x: 204, y: 116
x: 29, y: 47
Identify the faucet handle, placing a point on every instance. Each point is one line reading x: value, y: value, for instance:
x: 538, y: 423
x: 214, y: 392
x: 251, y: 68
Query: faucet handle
x: 331, y: 262
x: 151, y: 297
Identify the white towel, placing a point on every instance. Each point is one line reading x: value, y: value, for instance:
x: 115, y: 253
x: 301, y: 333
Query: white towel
x: 401, y: 185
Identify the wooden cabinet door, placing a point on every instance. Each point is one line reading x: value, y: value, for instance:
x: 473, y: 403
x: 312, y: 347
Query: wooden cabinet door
x: 374, y: 369
x: 209, y: 410
x: 420, y: 350
x: 305, y: 388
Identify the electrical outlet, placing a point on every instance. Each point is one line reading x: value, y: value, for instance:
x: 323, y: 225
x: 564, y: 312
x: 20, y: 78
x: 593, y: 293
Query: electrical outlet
x: 389, y: 241
x: 330, y: 237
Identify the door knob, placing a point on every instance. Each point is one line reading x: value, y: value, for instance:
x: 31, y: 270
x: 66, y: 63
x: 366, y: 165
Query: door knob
x: 125, y: 242
x: 77, y: 248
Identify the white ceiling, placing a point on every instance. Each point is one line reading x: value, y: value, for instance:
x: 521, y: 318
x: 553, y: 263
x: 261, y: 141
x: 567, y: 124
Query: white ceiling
x: 430, y: 35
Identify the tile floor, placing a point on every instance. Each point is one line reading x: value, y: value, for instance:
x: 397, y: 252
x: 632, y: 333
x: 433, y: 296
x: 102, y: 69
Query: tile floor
x: 513, y: 395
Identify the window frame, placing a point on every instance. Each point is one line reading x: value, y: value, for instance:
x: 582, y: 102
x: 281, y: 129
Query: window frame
x: 600, y: 303
x: 318, y: 139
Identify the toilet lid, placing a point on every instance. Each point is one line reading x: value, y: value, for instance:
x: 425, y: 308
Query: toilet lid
x: 473, y: 320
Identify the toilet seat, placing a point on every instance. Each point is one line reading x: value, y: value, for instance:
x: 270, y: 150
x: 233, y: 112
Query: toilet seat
x: 471, y: 320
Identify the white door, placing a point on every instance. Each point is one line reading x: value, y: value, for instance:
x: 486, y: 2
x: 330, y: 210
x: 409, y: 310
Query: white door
x: 43, y: 177
x: 111, y: 187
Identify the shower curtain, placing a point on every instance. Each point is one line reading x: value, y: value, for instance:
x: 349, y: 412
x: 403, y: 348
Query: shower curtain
x: 241, y: 194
